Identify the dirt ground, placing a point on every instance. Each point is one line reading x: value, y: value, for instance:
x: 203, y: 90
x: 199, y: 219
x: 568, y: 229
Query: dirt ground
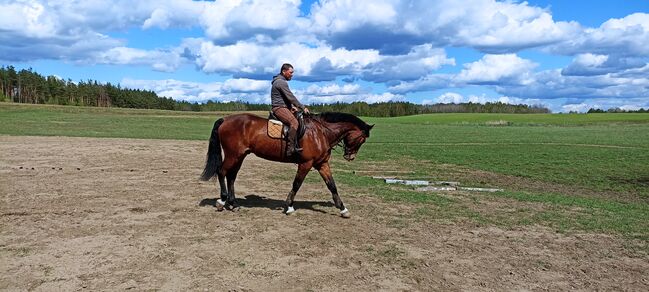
x: 124, y: 214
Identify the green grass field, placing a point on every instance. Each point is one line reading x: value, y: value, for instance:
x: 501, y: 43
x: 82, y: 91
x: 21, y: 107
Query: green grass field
x: 565, y: 171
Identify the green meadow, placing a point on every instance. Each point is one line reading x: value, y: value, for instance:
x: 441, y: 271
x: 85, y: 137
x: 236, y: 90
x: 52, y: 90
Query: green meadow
x: 569, y: 172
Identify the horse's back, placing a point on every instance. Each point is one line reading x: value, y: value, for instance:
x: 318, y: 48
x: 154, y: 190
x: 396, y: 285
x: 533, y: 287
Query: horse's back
x: 248, y: 133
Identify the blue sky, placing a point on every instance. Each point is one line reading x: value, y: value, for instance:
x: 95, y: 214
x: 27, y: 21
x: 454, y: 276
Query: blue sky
x: 566, y: 55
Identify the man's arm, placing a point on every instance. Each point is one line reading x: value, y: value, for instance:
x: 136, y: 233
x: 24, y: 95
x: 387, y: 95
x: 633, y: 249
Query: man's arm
x: 286, y: 92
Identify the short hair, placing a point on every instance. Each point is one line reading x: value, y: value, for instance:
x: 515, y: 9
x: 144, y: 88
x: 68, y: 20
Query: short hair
x: 285, y: 66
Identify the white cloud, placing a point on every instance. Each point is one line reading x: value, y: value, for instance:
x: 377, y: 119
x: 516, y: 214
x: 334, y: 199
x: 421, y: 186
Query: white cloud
x: 255, y: 91
x: 450, y: 97
x: 592, y: 64
x: 551, y: 84
x: 456, y: 98
x: 28, y: 17
x: 246, y: 90
x: 627, y: 36
x: 487, y: 25
x: 590, y: 60
x: 246, y: 59
x: 246, y: 85
x: 340, y: 16
x: 429, y: 82
x: 581, y: 107
x: 331, y: 93
x: 489, y: 70
x: 420, y: 61
x: 77, y: 30
x: 240, y: 20
x: 364, y: 97
x: 493, y: 69
x: 331, y: 89
x: 158, y: 60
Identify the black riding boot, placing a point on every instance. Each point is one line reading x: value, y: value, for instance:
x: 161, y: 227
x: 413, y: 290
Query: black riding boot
x: 291, y: 143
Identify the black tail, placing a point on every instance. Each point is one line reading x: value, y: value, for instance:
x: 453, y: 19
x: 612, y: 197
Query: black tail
x: 214, y: 159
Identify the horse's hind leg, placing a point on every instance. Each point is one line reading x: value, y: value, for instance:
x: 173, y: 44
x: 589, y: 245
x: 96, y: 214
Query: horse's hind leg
x: 229, y: 170
x: 220, y: 203
x: 302, y: 171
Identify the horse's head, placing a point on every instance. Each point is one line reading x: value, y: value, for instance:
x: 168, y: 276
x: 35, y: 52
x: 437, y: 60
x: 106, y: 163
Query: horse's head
x: 354, y: 140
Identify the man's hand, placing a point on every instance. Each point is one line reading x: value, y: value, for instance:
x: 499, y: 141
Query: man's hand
x: 306, y: 110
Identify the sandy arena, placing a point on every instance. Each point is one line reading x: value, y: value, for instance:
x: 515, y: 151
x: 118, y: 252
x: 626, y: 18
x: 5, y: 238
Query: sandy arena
x: 120, y: 214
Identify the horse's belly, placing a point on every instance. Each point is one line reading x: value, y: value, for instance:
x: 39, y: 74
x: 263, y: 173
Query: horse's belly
x: 271, y: 149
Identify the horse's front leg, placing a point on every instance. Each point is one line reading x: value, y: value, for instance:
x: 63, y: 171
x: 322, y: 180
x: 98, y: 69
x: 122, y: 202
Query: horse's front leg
x: 302, y: 171
x: 325, y: 172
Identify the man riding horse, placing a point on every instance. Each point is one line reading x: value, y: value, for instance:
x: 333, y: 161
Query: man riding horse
x: 239, y: 135
x: 284, y: 105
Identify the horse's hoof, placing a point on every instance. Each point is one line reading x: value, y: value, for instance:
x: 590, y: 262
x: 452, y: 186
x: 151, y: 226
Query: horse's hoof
x: 345, y: 213
x: 220, y: 205
x: 233, y: 208
x: 289, y: 210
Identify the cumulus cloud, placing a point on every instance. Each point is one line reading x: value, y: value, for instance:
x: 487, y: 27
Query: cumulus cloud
x: 246, y: 59
x: 627, y: 37
x: 331, y: 93
x: 487, y: 25
x: 159, y: 60
x: 588, y: 77
x: 453, y: 97
x: 489, y: 70
x: 426, y: 83
x: 255, y: 91
x: 246, y: 90
x: 450, y: 97
x: 232, y: 21
x: 420, y: 61
x: 331, y: 89
x: 583, y: 105
x: 552, y: 84
x: 497, y: 69
x: 592, y: 64
x: 76, y: 30
x: 364, y: 97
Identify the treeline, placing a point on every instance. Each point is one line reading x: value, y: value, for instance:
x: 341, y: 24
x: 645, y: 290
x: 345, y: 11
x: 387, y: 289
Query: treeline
x: 395, y: 109
x: 616, y: 110
x: 27, y: 86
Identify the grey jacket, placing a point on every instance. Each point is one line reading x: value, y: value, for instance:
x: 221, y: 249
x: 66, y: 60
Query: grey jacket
x: 281, y: 95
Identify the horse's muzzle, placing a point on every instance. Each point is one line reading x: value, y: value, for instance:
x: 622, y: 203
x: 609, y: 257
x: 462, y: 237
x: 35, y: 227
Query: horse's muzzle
x: 349, y: 157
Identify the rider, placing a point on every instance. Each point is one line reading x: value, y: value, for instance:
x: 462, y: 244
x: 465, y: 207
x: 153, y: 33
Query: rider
x: 284, y: 104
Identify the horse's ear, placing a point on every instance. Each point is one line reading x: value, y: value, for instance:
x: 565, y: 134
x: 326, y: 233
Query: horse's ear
x: 367, y: 130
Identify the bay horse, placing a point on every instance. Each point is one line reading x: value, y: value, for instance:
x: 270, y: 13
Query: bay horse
x: 241, y: 134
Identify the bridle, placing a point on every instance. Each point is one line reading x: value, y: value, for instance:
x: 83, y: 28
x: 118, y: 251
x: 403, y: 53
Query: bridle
x: 338, y: 142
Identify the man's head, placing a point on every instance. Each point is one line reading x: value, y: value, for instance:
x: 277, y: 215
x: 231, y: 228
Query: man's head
x: 287, y: 71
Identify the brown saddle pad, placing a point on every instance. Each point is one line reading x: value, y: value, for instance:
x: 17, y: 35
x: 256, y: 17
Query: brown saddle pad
x: 275, y: 129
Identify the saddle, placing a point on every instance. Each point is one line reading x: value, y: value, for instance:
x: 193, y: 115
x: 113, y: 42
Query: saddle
x: 278, y: 130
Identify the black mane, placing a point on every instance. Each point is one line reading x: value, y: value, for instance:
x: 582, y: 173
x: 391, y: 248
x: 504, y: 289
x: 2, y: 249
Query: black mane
x: 334, y: 117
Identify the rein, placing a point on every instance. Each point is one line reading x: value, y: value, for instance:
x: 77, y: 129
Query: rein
x: 337, y: 143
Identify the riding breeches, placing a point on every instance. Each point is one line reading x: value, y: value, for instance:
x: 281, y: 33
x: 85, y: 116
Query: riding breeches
x: 286, y: 116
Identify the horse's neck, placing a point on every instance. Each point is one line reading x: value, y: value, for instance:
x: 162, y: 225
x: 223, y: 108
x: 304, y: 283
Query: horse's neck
x: 336, y: 131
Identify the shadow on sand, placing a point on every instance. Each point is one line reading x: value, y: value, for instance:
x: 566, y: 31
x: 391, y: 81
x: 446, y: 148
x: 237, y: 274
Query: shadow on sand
x: 255, y: 201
